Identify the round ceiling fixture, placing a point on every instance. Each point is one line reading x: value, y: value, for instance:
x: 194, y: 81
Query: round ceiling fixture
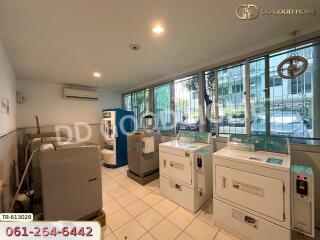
x: 97, y: 74
x: 292, y: 67
x: 134, y: 47
x: 158, y: 29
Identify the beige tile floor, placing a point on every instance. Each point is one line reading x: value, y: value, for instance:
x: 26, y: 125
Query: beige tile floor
x: 140, y: 212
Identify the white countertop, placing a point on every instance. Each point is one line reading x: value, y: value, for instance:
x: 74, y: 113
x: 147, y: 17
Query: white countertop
x: 256, y: 158
x: 183, y: 146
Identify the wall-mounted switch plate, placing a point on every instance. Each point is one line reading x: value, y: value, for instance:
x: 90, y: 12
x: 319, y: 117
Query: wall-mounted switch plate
x: 3, y: 104
x: 7, y: 106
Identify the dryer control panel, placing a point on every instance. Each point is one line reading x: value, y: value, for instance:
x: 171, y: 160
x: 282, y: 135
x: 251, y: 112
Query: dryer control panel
x: 302, y: 199
x: 201, y: 159
x: 302, y: 183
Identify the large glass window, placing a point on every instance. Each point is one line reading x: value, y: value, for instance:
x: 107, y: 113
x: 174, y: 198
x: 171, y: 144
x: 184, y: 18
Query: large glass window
x: 231, y: 98
x: 302, y: 84
x: 186, y: 103
x: 257, y: 96
x: 275, y: 81
x: 127, y: 102
x: 140, y: 105
x: 278, y: 107
x: 291, y: 103
x: 161, y: 101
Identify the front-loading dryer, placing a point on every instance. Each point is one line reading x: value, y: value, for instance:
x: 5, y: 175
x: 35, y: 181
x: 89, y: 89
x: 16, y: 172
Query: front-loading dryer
x: 185, y: 168
x: 251, y: 189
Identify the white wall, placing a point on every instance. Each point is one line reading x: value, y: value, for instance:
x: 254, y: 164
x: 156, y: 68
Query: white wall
x: 8, y: 136
x: 7, y: 91
x: 46, y: 100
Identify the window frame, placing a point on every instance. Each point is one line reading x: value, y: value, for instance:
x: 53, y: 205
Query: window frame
x: 148, y: 101
x: 230, y: 92
x: 183, y: 79
x: 202, y: 87
x: 170, y: 104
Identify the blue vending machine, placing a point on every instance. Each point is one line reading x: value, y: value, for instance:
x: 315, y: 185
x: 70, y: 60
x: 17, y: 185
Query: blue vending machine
x: 116, y: 123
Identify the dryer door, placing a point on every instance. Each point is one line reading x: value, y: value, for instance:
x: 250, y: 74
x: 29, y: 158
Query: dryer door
x: 177, y: 167
x: 256, y: 192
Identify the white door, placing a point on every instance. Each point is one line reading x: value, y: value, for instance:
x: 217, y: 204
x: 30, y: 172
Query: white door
x: 176, y: 167
x: 259, y: 193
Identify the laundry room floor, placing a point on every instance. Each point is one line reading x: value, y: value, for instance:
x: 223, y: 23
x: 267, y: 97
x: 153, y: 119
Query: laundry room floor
x: 140, y: 212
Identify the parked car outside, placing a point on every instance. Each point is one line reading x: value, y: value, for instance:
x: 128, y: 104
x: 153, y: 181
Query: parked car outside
x: 282, y: 123
x: 237, y: 120
x: 188, y: 125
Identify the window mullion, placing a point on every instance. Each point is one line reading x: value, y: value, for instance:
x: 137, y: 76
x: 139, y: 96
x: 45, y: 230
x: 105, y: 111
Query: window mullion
x: 247, y: 96
x: 267, y: 94
x: 172, y: 108
x: 216, y: 104
x: 151, y: 99
x: 202, y: 89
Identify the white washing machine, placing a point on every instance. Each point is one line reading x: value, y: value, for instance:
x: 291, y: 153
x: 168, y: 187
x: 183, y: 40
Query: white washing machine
x: 251, y: 189
x: 186, y: 169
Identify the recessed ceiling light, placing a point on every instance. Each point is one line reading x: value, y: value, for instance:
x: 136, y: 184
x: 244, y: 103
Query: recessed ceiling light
x: 97, y: 74
x: 158, y: 29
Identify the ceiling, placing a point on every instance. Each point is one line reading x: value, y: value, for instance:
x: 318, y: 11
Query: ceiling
x: 67, y: 40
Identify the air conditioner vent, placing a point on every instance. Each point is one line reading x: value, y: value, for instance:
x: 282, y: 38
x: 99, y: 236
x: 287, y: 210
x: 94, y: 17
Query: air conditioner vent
x: 76, y: 93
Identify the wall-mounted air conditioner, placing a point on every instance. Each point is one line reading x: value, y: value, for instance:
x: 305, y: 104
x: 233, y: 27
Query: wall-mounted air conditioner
x: 77, y: 93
